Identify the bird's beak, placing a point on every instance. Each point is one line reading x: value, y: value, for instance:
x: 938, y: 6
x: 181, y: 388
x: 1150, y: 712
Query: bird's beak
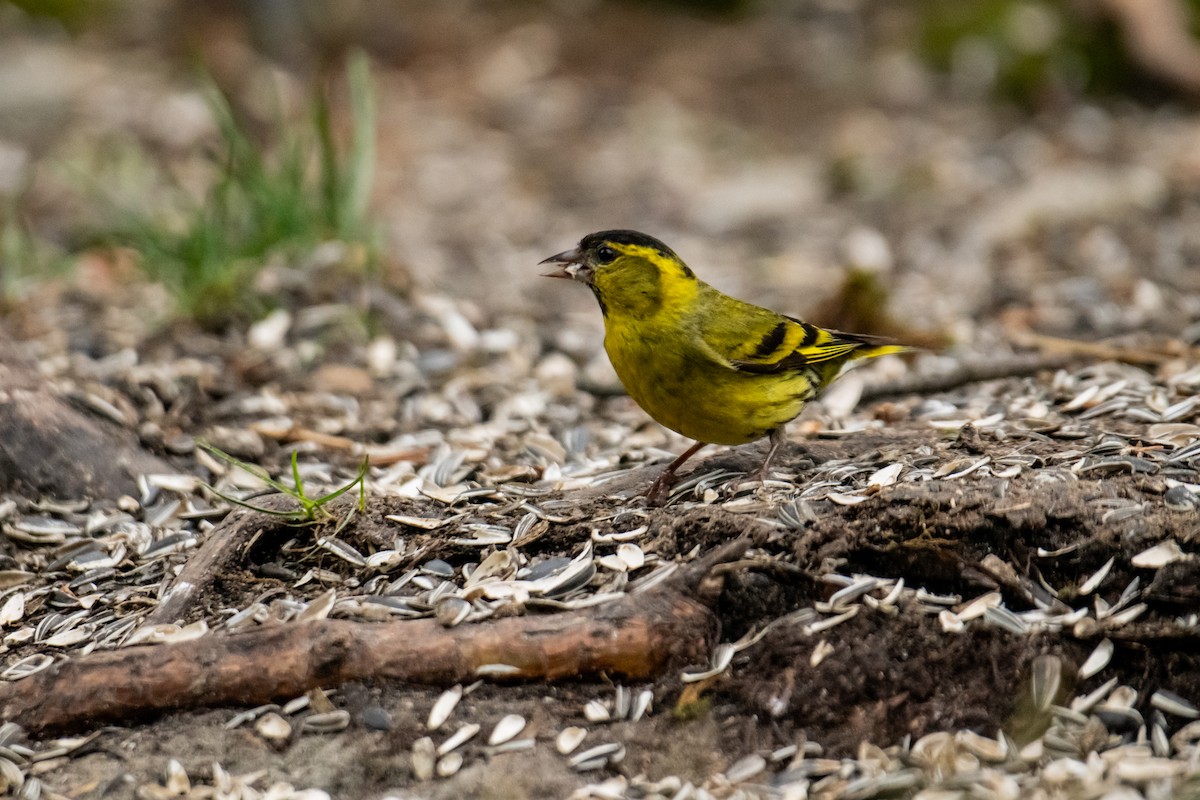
x: 570, y: 260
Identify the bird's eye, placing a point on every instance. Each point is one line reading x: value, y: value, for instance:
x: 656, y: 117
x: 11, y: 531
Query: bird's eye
x: 605, y: 254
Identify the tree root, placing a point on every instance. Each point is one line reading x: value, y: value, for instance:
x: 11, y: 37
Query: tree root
x: 637, y: 636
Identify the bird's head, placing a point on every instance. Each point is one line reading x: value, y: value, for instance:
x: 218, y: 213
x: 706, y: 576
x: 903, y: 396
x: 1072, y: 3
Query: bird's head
x: 628, y: 271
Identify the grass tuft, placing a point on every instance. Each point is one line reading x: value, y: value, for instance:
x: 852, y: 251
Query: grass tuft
x: 309, y: 509
x: 265, y: 204
x: 25, y: 259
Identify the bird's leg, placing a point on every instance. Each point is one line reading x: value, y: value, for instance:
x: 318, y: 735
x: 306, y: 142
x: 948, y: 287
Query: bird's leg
x: 763, y: 472
x: 658, y: 490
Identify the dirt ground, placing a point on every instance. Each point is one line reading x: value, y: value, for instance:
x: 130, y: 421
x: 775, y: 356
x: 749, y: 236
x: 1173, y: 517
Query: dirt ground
x: 887, y: 675
x: 948, y: 543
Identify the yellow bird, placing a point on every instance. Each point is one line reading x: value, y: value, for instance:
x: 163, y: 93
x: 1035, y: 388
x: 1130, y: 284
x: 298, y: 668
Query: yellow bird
x: 708, y: 366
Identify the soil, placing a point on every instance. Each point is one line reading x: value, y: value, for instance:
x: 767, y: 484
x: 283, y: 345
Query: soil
x: 886, y: 677
x: 803, y: 157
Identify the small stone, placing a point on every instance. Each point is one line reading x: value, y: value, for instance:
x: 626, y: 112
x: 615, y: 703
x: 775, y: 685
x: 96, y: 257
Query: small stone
x: 1181, y: 498
x: 377, y: 719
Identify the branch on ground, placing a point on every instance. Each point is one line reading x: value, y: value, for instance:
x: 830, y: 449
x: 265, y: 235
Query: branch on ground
x: 637, y: 636
x: 1157, y: 35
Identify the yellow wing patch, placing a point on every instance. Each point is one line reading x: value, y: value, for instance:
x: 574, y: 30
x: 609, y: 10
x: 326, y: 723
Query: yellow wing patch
x: 792, y: 344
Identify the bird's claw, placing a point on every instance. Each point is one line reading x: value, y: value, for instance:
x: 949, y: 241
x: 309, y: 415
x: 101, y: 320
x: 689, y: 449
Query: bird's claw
x: 659, y: 492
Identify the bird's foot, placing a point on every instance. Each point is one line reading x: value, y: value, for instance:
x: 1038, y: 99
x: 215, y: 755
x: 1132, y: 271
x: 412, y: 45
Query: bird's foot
x: 660, y: 491
x: 760, y: 475
x: 763, y: 473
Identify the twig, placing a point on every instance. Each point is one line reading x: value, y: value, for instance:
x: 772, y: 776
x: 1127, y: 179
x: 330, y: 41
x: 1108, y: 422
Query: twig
x: 225, y: 546
x: 1156, y: 35
x: 1139, y: 356
x: 379, y: 456
x: 637, y: 636
x: 965, y: 373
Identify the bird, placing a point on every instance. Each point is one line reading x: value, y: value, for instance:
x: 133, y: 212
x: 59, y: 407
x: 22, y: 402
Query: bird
x: 713, y: 368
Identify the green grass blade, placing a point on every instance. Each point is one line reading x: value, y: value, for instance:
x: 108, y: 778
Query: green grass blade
x: 252, y: 469
x: 356, y: 188
x: 296, y: 475
x: 296, y: 515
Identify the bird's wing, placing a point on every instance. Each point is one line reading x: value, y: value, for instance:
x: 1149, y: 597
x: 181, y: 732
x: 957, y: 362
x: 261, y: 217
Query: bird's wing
x: 756, y: 340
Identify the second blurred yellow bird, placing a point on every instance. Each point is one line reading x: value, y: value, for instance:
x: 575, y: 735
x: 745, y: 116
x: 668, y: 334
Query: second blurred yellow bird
x: 708, y: 366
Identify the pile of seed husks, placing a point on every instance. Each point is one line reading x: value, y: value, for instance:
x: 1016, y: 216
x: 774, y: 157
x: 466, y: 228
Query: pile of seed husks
x: 481, y: 440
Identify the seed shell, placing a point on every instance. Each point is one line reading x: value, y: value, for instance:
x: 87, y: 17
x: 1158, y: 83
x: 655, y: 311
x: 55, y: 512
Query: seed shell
x: 443, y: 707
x: 506, y: 729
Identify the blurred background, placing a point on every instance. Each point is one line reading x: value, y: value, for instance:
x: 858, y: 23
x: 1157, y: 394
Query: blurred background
x: 947, y: 171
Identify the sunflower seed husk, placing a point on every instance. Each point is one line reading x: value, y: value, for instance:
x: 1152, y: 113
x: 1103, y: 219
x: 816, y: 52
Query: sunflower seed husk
x: 500, y: 565
x: 451, y: 611
x: 13, y: 609
x: 990, y: 750
x: 458, y: 738
x: 443, y: 707
x: 846, y: 499
x: 885, y: 476
x: 506, y: 729
x: 977, y: 607
x: 1181, y: 498
x: 70, y: 637
x: 1093, y: 582
x: 950, y: 622
x: 1186, y: 737
x: 1045, y: 680
x: 745, y: 768
x: 14, y: 577
x: 449, y: 764
x: 569, y: 739
x: 596, y: 711
x: 631, y: 556
x: 621, y: 701
x: 641, y: 704
x: 423, y: 758
x: 1159, y: 556
x: 177, y: 782
x: 1098, y: 659
x: 1088, y: 702
x: 497, y: 670
x: 612, y: 752
x: 1173, y: 704
x: 319, y: 607
x: 327, y: 722
x: 722, y: 656
x: 421, y: 523
x: 342, y: 550
x: 512, y: 746
x: 273, y: 727
x: 853, y: 591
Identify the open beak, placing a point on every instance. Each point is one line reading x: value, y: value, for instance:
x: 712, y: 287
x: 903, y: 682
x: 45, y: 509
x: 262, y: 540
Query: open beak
x: 570, y: 261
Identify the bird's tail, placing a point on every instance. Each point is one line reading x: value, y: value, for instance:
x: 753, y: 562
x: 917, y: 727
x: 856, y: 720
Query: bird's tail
x: 874, y: 350
x: 871, y: 346
x: 853, y: 347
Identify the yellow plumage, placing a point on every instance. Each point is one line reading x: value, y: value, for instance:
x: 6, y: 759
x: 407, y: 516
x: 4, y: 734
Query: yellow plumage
x: 706, y: 365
